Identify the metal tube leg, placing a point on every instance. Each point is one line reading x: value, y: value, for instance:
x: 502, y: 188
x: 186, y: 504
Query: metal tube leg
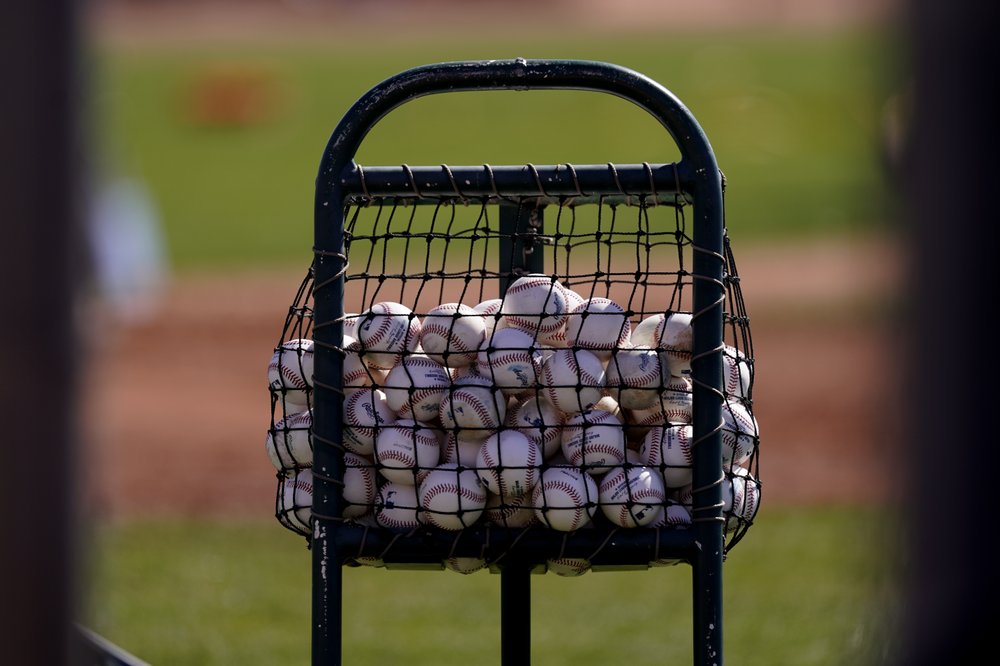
x: 515, y: 616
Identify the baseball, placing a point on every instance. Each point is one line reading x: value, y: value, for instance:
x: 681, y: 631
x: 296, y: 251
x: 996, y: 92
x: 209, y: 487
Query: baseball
x: 473, y: 406
x: 632, y: 496
x: 351, y: 324
x: 465, y: 565
x: 568, y: 566
x: 668, y: 448
x: 609, y: 404
x: 564, y: 498
x: 386, y: 331
x: 451, y: 333
x: 673, y: 405
x: 558, y: 338
x: 415, y: 387
x: 510, y: 511
x: 508, y: 357
x: 357, y: 374
x: 740, y: 433
x: 599, y: 325
x: 594, y: 441
x: 290, y: 373
x: 490, y: 312
x: 740, y: 498
x: 736, y: 373
x: 289, y: 443
x: 295, y: 501
x: 635, y: 377
x: 365, y: 413
x: 459, y: 450
x: 359, y: 486
x: 396, y: 506
x: 573, y: 380
x: 405, y: 450
x: 672, y: 332
x: 535, y: 303
x: 509, y: 463
x: 537, y: 419
x: 452, y: 497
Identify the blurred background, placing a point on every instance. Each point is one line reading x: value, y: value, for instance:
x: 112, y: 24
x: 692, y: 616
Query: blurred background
x: 206, y: 121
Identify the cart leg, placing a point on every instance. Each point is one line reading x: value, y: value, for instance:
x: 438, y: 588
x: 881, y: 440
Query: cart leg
x: 515, y: 616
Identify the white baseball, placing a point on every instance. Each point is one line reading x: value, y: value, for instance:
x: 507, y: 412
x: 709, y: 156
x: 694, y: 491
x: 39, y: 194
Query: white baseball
x: 740, y: 432
x: 386, y: 331
x: 366, y: 411
x: 359, y: 486
x: 357, y: 374
x: 452, y: 497
x: 396, y: 506
x: 351, y: 324
x: 558, y: 338
x: 593, y: 440
x: 490, y: 311
x: 474, y: 406
x: 671, y: 332
x: 459, y: 450
x: 290, y: 373
x: 564, y: 498
x: 451, y: 333
x: 736, y: 374
x: 599, y: 325
x: 632, y: 496
x: 509, y: 463
x: 673, y: 405
x: 509, y: 358
x: 674, y: 515
x: 540, y: 421
x: 535, y: 303
x: 668, y: 448
x: 405, y: 450
x: 289, y: 443
x: 415, y: 387
x: 635, y: 377
x: 740, y: 498
x: 510, y: 511
x: 573, y: 380
x: 295, y: 501
x: 568, y: 566
x: 465, y: 565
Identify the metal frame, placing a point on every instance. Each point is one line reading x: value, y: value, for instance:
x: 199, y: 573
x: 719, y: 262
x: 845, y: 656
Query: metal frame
x: 340, y: 181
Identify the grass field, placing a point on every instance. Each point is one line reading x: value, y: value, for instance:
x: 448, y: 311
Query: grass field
x: 807, y: 586
x: 794, y: 121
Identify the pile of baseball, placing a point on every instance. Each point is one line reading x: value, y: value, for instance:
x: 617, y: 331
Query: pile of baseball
x: 543, y: 407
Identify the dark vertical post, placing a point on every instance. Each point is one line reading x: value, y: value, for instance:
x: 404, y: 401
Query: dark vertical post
x: 41, y: 209
x: 948, y: 209
x: 517, y: 252
x: 706, y: 371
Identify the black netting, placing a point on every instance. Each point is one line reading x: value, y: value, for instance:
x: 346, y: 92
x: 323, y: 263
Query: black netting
x: 562, y: 403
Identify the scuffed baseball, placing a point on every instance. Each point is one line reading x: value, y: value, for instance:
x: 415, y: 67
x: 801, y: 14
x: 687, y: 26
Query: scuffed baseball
x: 366, y: 411
x: 565, y: 498
x: 451, y: 334
x: 474, y: 406
x: 568, y: 566
x: 452, y: 497
x: 508, y: 511
x: 540, y: 421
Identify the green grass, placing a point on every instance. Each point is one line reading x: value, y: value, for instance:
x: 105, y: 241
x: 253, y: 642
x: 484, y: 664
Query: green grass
x: 806, y: 586
x: 793, y: 119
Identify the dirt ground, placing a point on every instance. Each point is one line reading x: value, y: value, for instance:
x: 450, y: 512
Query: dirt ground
x: 177, y: 408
